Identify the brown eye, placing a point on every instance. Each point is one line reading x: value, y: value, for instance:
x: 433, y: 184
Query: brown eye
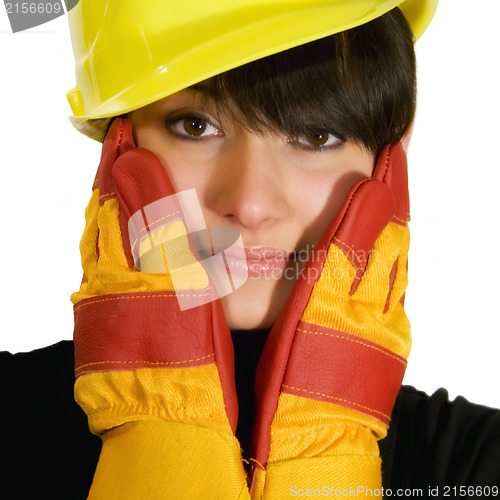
x: 194, y: 127
x: 318, y: 140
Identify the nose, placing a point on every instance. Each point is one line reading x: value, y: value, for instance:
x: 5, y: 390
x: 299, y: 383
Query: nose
x: 250, y: 186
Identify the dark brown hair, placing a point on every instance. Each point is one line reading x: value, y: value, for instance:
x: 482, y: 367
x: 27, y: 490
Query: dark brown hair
x: 359, y: 84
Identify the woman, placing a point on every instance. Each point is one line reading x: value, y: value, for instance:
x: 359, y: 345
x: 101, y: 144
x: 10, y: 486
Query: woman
x: 273, y: 149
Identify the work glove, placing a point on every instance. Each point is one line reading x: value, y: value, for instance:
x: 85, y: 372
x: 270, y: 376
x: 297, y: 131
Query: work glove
x: 155, y: 379
x: 334, y: 361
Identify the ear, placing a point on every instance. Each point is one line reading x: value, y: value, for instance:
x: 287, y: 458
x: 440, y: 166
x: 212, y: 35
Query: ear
x: 405, y: 141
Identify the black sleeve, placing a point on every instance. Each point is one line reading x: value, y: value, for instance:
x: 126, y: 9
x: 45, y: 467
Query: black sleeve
x: 433, y: 442
x: 47, y: 449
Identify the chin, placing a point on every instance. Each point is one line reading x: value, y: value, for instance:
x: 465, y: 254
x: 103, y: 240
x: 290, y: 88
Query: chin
x: 247, y: 324
x: 246, y: 314
x: 256, y: 304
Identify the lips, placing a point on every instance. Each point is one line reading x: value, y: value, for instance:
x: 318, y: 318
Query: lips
x: 256, y: 261
x: 267, y: 260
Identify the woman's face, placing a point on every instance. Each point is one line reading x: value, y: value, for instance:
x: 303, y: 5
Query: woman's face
x: 279, y: 192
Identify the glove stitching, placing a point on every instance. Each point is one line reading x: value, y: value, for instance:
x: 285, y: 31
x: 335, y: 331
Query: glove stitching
x: 282, y: 435
x: 336, y: 399
x: 120, y: 139
x: 104, y: 197
x: 146, y: 410
x: 161, y: 412
x: 360, y: 457
x: 402, y: 221
x: 152, y: 363
x: 172, y: 294
x: 387, y: 158
x: 359, y: 260
x: 402, y: 361
x: 147, y: 228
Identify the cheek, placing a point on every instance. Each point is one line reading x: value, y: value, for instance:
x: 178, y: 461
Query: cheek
x: 183, y: 171
x: 320, y: 201
x: 183, y: 175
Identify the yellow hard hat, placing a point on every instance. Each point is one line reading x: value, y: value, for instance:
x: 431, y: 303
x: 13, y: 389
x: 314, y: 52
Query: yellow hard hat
x: 129, y: 54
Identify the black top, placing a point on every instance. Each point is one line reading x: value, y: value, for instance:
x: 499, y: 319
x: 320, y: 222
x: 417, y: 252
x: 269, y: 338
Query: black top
x: 50, y: 453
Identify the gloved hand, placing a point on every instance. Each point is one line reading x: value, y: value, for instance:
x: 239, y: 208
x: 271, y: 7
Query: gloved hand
x: 156, y: 382
x: 334, y: 361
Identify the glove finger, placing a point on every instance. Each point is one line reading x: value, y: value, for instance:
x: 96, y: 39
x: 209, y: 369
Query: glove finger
x: 118, y: 141
x: 370, y: 209
x: 392, y: 169
x: 139, y: 179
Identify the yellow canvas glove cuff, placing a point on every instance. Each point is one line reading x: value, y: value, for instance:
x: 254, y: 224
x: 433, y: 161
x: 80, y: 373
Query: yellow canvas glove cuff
x: 154, y: 459
x: 163, y: 435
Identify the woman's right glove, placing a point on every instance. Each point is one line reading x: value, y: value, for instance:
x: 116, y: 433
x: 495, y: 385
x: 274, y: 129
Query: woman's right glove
x: 156, y: 382
x: 334, y: 360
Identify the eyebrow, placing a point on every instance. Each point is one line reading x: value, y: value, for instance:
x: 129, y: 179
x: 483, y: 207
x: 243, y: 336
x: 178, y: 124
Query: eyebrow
x: 203, y: 88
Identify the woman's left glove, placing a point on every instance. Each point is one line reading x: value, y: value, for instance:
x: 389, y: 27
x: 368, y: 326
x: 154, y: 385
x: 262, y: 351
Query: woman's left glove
x: 156, y: 382
x: 333, y: 363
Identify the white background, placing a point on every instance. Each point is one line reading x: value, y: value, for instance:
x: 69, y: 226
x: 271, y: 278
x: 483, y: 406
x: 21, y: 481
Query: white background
x: 47, y: 170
